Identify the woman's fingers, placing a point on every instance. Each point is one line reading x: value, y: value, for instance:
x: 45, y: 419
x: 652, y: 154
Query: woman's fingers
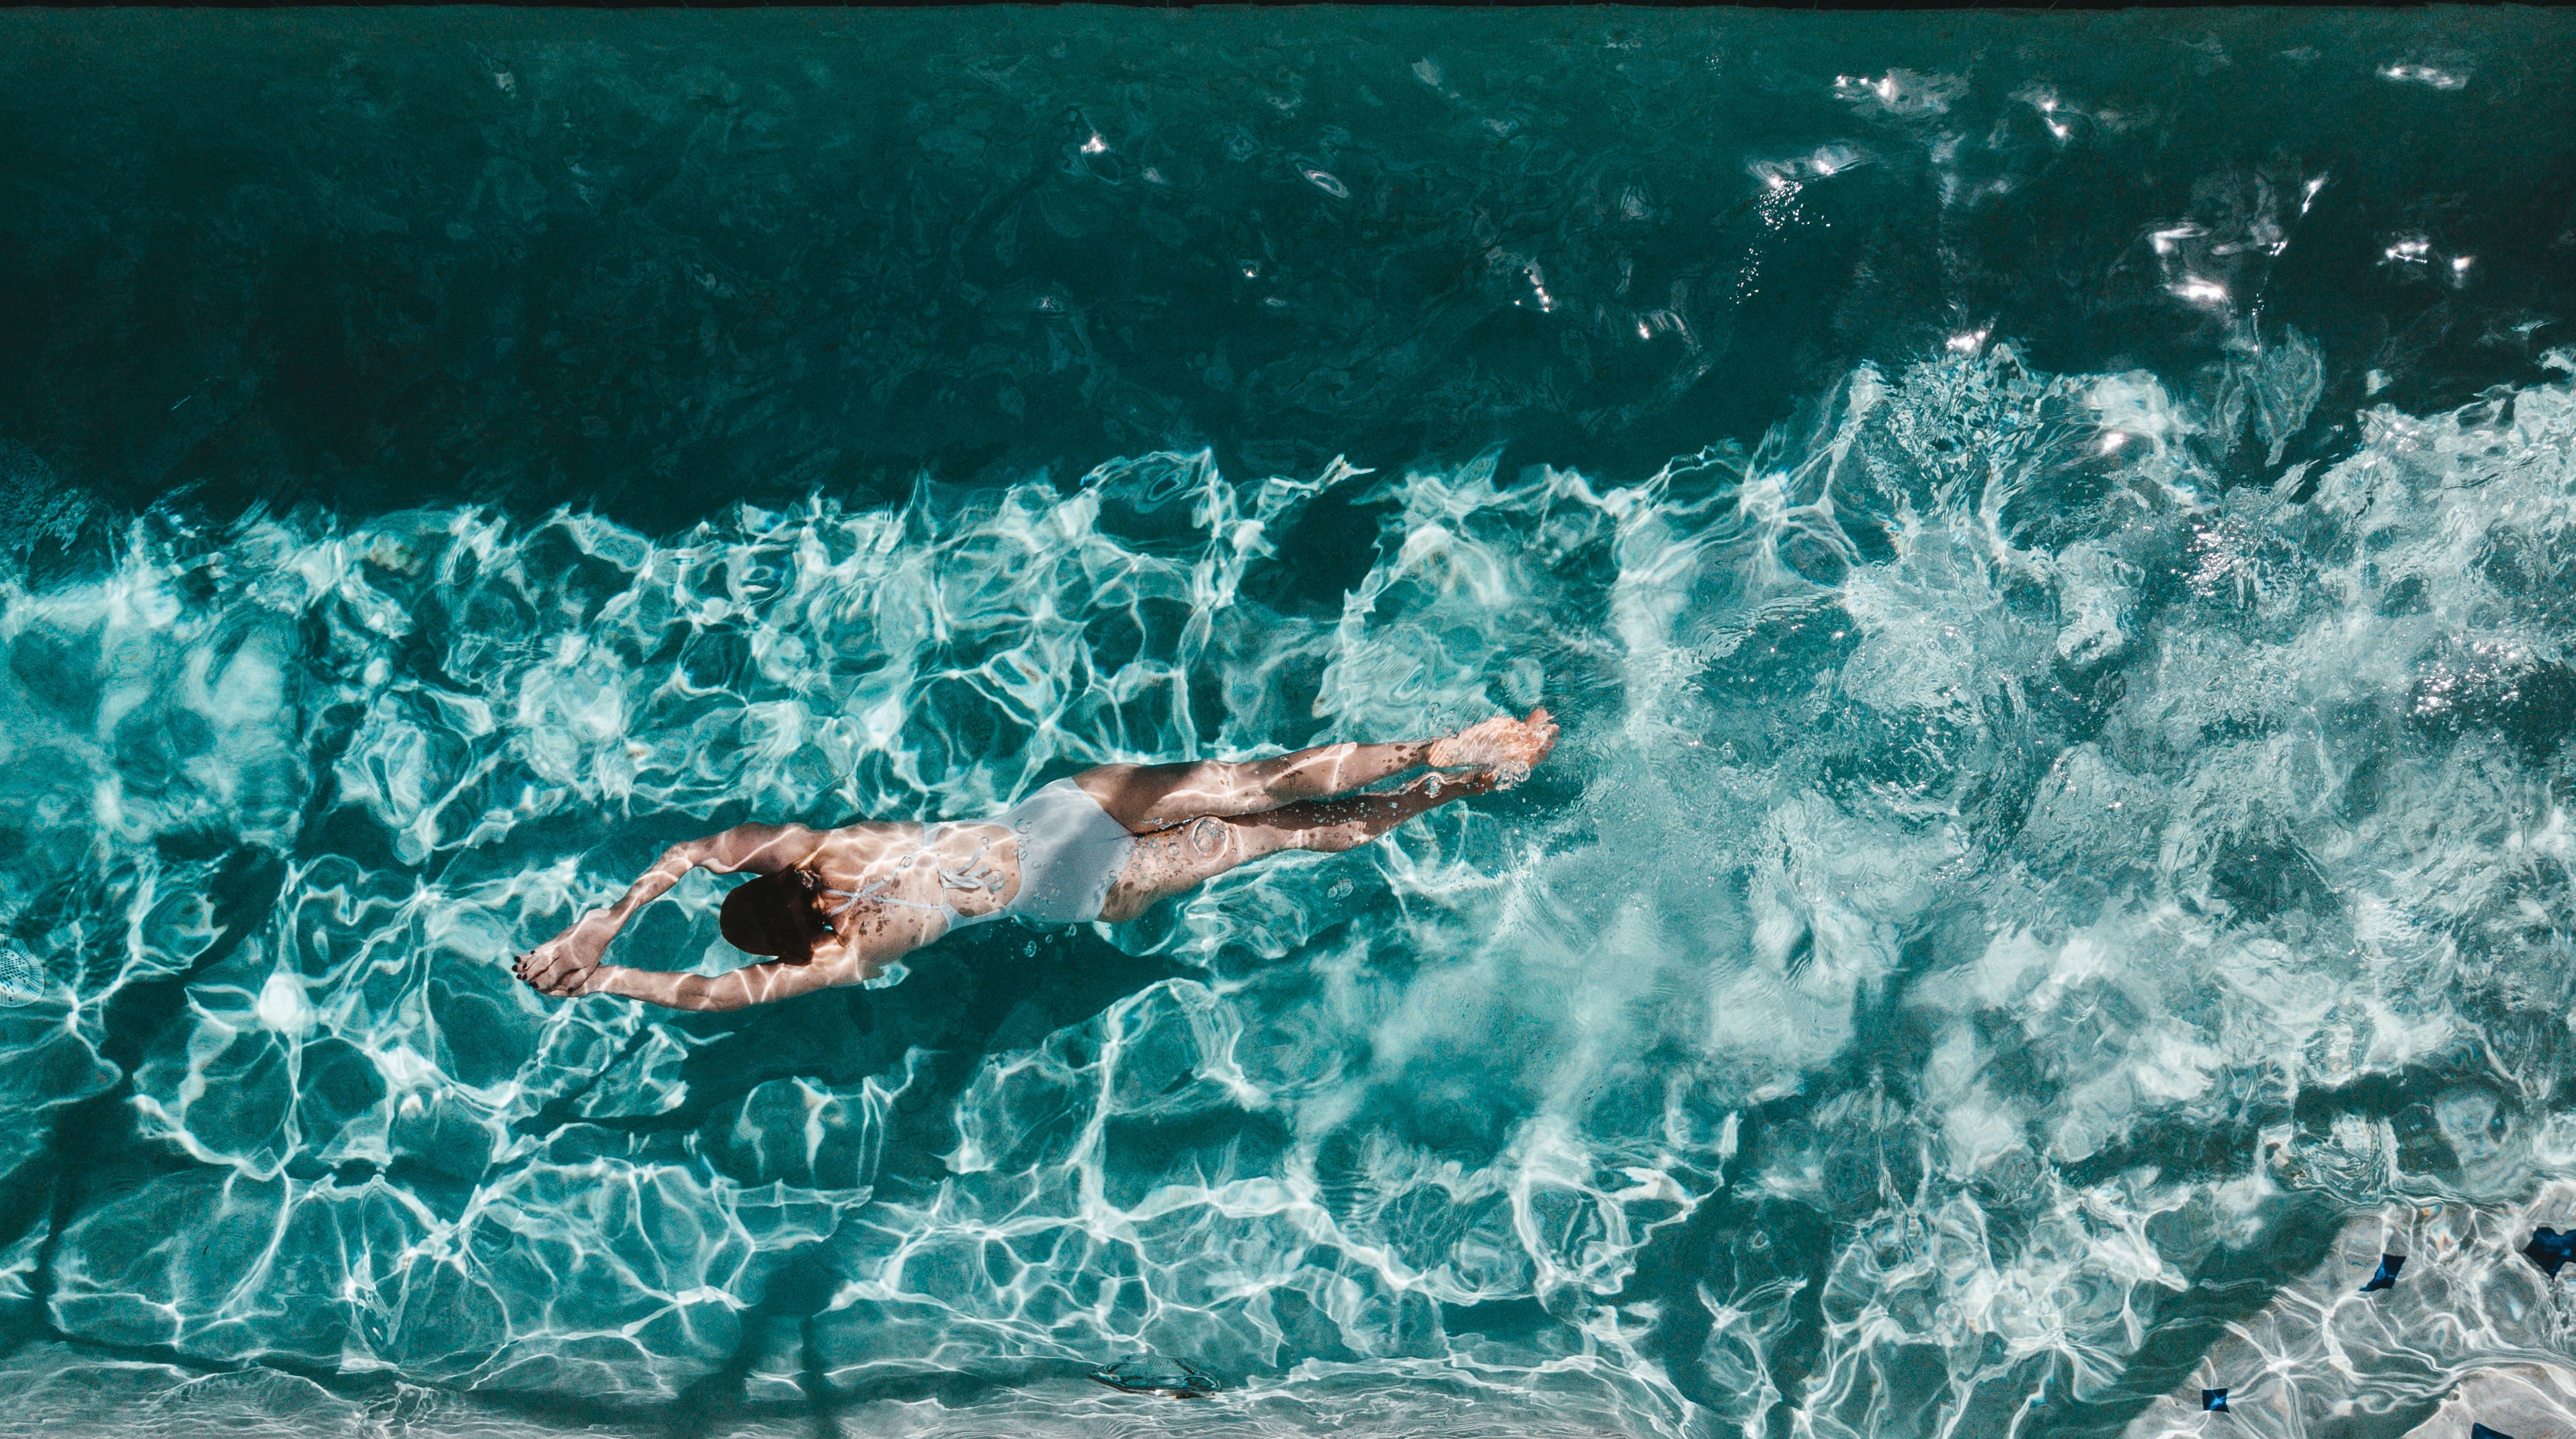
x: 559, y: 984
x: 551, y: 969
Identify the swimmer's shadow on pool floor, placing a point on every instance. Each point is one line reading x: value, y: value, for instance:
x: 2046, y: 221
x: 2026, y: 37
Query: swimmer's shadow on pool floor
x: 974, y: 995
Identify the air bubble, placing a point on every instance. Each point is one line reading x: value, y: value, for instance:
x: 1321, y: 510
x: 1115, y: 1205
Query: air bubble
x: 22, y: 979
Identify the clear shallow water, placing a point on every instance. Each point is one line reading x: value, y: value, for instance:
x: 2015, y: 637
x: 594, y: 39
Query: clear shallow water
x: 2059, y: 847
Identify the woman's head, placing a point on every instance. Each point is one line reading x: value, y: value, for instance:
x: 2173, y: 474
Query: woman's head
x: 772, y: 914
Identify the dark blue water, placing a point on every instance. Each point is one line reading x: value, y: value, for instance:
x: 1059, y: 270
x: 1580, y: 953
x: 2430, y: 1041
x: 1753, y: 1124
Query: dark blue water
x: 2049, y: 535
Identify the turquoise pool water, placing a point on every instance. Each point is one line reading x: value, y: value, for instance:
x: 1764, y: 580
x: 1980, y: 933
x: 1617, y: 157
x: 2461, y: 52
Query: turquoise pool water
x: 2049, y: 536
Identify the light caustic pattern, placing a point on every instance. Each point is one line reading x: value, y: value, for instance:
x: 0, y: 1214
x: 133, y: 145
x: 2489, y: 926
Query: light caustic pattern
x: 1976, y: 828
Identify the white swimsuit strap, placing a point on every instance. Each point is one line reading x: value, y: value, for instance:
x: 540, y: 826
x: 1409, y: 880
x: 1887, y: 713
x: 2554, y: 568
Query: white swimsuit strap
x: 850, y: 898
x: 974, y: 873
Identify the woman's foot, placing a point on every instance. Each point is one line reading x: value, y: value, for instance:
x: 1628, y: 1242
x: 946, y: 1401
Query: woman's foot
x: 1505, y: 746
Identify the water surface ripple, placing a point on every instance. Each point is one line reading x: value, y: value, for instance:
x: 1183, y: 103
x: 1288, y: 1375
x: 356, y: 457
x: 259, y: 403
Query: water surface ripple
x: 2050, y: 537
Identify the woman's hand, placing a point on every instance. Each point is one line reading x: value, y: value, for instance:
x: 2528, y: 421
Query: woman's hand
x: 567, y: 966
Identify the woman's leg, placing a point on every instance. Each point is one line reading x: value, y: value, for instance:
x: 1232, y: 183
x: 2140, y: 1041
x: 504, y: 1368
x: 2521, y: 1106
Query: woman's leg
x: 1167, y: 862
x: 1149, y: 797
x: 1146, y: 798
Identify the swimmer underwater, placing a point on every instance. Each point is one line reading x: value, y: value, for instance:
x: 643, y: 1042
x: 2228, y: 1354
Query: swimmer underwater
x: 840, y: 906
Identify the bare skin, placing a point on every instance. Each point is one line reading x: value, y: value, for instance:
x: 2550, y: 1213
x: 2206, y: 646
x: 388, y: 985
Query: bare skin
x: 1192, y: 822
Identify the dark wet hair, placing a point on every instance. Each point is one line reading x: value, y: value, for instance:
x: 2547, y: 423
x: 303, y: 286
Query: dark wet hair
x: 771, y: 914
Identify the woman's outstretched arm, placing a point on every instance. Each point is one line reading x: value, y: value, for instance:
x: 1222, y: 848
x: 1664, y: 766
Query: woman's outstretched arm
x: 555, y: 967
x: 734, y: 989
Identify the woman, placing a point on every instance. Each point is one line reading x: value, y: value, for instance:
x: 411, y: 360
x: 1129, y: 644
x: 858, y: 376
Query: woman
x: 839, y: 906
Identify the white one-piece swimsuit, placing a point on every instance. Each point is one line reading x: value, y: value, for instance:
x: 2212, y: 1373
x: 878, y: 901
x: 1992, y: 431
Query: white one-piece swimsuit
x: 1071, y: 851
